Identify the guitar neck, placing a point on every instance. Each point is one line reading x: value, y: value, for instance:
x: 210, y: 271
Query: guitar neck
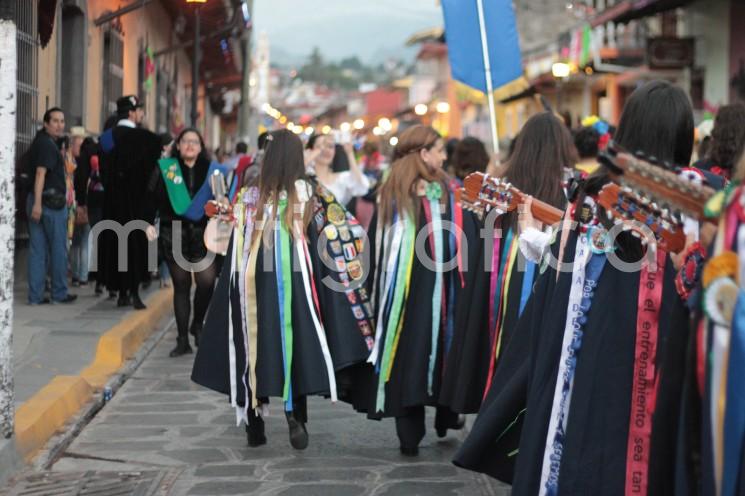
x: 541, y: 211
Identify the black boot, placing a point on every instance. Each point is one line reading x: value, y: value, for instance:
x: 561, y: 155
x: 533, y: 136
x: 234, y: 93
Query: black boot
x: 137, y: 302
x: 196, y: 331
x: 124, y: 299
x: 255, y: 432
x: 298, y: 433
x: 182, y: 347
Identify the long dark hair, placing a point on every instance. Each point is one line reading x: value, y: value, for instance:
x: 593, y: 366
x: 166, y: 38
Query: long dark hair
x: 399, y: 189
x: 283, y: 164
x: 203, y: 154
x: 657, y: 120
x: 728, y: 135
x: 543, y: 150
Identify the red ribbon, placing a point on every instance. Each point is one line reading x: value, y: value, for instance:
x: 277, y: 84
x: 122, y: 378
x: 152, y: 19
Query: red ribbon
x: 644, y: 392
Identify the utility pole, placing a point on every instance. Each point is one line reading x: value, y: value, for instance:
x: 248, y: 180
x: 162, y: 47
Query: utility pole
x: 244, y: 118
x: 195, y: 69
x: 8, y: 91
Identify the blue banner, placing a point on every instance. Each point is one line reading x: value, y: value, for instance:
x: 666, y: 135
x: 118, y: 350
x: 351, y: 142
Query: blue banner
x: 463, y: 37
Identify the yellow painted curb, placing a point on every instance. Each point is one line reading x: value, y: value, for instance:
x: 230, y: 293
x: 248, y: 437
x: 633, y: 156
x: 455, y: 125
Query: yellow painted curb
x: 123, y: 340
x: 39, y: 417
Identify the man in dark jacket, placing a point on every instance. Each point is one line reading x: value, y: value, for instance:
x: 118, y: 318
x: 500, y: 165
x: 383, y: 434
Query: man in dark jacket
x: 130, y: 155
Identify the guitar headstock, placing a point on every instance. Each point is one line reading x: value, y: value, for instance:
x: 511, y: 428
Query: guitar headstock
x: 481, y: 193
x: 660, y: 183
x: 624, y: 204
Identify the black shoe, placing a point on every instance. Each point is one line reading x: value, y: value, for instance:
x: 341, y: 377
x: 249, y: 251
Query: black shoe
x: 255, y: 433
x: 67, y: 299
x: 124, y: 301
x: 298, y: 433
x: 137, y: 303
x: 75, y: 283
x: 99, y: 289
x: 196, y: 331
x: 182, y: 348
x: 410, y: 450
x: 443, y: 431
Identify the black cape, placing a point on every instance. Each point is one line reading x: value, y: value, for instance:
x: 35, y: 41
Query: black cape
x: 309, y: 377
x: 597, y: 429
x: 126, y: 173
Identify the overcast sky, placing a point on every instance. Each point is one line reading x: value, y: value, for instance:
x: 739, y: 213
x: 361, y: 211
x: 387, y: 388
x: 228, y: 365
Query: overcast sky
x: 344, y: 27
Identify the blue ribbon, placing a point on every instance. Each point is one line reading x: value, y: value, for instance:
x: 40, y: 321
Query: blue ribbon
x: 527, y: 285
x: 195, y: 212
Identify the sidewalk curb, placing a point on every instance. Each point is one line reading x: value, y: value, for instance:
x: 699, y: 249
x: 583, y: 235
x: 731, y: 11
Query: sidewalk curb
x: 38, y: 418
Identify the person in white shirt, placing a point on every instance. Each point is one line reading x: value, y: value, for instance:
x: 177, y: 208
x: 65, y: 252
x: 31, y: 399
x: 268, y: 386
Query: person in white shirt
x: 343, y: 185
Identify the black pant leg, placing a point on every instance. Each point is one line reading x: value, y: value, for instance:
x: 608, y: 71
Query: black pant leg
x: 410, y: 427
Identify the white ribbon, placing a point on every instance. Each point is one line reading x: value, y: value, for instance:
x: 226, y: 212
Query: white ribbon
x: 559, y: 410
x: 398, y: 232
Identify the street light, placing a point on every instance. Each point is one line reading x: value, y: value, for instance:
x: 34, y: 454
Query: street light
x: 345, y: 127
x: 385, y: 124
x: 358, y: 124
x: 443, y: 107
x: 420, y: 109
x: 560, y: 70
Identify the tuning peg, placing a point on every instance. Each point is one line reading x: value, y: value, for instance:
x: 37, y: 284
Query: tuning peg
x: 653, y: 160
x: 639, y: 154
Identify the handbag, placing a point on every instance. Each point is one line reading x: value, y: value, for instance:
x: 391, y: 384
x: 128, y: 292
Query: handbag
x: 81, y: 216
x: 53, y: 199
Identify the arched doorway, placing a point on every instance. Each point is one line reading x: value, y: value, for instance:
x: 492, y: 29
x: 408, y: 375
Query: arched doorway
x: 73, y: 60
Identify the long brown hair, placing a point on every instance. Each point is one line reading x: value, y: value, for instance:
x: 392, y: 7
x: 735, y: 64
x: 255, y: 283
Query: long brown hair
x: 543, y: 149
x: 398, y: 192
x: 283, y: 164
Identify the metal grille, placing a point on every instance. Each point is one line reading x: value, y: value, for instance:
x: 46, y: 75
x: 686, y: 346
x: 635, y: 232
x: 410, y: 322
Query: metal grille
x: 28, y: 92
x: 113, y: 73
x: 145, y: 483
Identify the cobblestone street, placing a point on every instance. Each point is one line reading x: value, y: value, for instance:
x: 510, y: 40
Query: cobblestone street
x: 184, y: 438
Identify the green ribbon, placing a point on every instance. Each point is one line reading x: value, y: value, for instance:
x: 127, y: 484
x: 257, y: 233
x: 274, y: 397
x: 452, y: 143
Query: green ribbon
x: 175, y: 185
x: 405, y: 260
x: 284, y: 239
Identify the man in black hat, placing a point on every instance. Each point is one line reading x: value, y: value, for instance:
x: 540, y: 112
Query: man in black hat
x: 130, y: 155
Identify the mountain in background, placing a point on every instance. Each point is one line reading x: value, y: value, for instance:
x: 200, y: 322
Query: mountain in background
x: 373, y: 36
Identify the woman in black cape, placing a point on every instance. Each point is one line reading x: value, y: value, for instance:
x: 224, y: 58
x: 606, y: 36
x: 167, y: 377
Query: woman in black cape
x: 282, y: 305
x: 543, y: 153
x: 414, y: 300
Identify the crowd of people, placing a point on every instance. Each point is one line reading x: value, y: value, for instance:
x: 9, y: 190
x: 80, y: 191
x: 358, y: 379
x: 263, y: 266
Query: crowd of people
x: 598, y: 358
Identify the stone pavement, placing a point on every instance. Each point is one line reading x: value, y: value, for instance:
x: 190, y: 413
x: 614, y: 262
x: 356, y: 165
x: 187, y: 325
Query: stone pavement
x: 181, y: 439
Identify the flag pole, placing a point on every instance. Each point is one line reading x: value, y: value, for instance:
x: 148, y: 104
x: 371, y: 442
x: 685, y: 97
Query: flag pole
x: 487, y: 72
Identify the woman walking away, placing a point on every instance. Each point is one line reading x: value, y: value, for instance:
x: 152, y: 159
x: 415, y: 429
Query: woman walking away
x: 282, y: 323
x: 500, y: 284
x: 414, y: 299
x: 176, y: 185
